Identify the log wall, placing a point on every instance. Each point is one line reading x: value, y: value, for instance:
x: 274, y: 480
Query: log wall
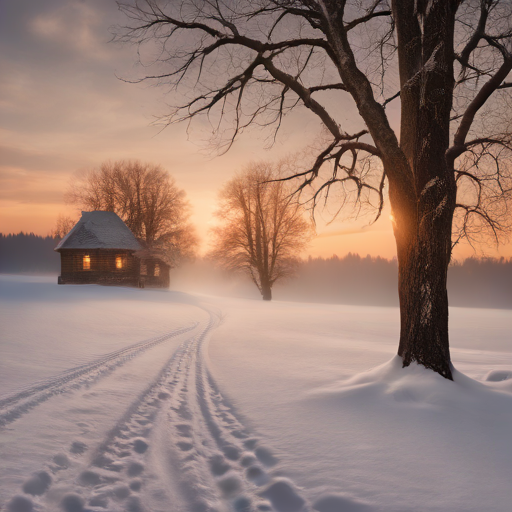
x: 103, y: 268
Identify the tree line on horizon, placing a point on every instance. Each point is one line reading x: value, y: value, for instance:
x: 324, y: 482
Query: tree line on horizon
x: 350, y: 279
x: 27, y: 252
x: 357, y: 280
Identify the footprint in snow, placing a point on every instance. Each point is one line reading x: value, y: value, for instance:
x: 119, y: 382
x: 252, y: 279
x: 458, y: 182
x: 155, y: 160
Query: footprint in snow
x: 89, y: 478
x: 136, y: 485
x: 265, y: 457
x: 184, y: 430
x: 218, y: 465
x: 139, y: 445
x: 256, y: 475
x: 242, y: 504
x: 135, y: 469
x: 78, y: 448
x: 20, y: 504
x: 229, y: 485
x: 231, y: 452
x: 61, y: 461
x: 250, y: 443
x: 72, y: 503
x: 247, y: 460
x: 121, y: 492
x: 184, y: 447
x: 283, y: 497
x: 37, y: 484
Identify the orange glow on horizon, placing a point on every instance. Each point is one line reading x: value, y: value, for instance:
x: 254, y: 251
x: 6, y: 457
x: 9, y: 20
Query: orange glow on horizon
x: 376, y: 240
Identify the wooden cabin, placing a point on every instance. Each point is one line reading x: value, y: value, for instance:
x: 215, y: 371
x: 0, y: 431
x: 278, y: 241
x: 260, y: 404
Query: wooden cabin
x: 101, y: 249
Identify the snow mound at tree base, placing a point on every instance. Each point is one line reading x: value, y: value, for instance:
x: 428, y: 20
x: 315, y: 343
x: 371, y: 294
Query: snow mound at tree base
x: 421, y: 387
x: 439, y: 438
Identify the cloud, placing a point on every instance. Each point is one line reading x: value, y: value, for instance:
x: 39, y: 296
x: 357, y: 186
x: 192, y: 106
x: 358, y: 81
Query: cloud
x: 17, y: 186
x: 76, y: 27
x: 33, y: 161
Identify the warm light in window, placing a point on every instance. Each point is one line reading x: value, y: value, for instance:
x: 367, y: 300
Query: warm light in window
x: 157, y: 269
x: 119, y: 262
x: 87, y: 262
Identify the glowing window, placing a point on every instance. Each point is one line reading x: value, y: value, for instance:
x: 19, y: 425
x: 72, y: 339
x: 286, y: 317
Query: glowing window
x: 86, y: 263
x: 119, y: 262
x: 157, y: 269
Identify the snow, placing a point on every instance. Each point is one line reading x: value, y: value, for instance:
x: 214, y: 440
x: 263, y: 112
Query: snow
x: 99, y: 230
x: 121, y: 399
x: 434, y: 182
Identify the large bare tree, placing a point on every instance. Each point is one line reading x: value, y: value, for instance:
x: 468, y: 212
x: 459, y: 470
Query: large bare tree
x: 146, y: 197
x: 447, y: 62
x: 262, y: 229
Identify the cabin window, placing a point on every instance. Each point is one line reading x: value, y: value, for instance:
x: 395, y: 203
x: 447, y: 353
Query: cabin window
x: 120, y: 262
x: 157, y: 270
x: 86, y: 262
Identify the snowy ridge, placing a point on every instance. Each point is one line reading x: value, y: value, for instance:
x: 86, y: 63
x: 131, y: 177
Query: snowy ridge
x: 15, y: 405
x: 418, y: 386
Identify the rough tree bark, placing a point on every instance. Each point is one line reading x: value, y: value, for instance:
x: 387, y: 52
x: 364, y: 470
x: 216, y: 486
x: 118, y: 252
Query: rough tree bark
x: 426, y: 73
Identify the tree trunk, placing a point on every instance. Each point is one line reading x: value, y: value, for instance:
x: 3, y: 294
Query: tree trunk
x: 266, y: 291
x: 424, y: 252
x: 424, y: 311
x: 424, y: 219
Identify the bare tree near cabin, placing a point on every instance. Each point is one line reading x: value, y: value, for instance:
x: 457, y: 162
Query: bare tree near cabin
x: 63, y: 226
x: 148, y: 200
x: 262, y: 227
x: 447, y: 174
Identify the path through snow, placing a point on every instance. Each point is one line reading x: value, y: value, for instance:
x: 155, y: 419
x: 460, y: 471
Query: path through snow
x: 178, y: 446
x: 94, y: 419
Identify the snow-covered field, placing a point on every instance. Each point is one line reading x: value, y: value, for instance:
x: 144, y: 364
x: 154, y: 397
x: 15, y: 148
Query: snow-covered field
x: 118, y: 399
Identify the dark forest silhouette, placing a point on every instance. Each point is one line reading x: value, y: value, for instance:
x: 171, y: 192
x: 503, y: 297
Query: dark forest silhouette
x: 484, y: 283
x: 26, y: 252
x: 352, y: 279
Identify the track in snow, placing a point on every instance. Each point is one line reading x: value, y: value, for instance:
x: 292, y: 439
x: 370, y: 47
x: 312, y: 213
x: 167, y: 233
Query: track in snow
x: 178, y: 447
x: 15, y: 405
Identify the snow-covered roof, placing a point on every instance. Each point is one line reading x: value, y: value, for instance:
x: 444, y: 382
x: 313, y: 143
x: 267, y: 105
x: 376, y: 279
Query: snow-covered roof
x: 100, y: 230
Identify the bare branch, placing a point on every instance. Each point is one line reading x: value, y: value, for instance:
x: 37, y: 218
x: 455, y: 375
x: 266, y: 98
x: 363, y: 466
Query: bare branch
x: 481, y: 97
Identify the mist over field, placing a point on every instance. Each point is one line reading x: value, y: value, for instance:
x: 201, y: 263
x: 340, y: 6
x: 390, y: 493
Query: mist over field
x: 355, y: 280
x: 352, y: 279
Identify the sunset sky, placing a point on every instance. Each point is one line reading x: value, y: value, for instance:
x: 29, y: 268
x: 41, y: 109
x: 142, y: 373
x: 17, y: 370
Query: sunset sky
x: 64, y: 109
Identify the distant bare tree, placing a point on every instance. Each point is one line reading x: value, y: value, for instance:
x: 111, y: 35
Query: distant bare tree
x: 63, y: 226
x: 263, y: 229
x: 448, y: 62
x: 146, y: 198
